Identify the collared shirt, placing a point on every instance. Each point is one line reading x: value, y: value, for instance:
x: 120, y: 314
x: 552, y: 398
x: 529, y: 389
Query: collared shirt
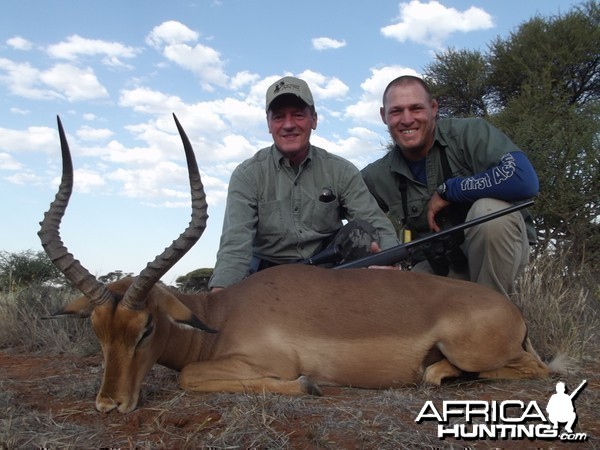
x: 273, y: 210
x: 472, y: 146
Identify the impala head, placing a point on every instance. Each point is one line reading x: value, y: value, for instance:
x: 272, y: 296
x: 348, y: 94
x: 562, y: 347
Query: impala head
x: 128, y: 316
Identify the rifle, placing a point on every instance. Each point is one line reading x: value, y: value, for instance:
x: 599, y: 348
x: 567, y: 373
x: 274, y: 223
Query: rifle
x: 403, y: 252
x: 576, y: 391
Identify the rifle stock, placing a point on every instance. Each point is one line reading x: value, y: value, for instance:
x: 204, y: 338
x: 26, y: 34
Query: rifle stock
x: 402, y: 252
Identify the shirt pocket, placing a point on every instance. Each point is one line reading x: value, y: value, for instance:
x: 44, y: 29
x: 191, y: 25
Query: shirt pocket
x: 415, y: 210
x: 270, y: 221
x: 325, y: 217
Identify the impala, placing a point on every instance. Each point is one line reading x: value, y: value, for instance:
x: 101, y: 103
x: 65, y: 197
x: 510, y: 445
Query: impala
x: 288, y: 329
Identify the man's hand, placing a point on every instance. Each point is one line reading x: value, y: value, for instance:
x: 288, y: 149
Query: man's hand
x: 435, y: 205
x: 375, y: 249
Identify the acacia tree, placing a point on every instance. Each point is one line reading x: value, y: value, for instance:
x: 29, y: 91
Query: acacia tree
x: 459, y: 77
x: 23, y: 268
x: 195, y: 281
x: 563, y: 48
x: 542, y: 88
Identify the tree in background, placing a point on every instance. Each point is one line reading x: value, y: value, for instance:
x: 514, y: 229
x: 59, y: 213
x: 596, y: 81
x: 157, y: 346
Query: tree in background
x: 195, y: 281
x: 116, y: 275
x: 23, y: 268
x: 541, y: 86
x: 460, y: 79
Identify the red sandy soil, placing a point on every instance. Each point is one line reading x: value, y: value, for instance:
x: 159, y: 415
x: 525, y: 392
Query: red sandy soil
x: 48, y: 400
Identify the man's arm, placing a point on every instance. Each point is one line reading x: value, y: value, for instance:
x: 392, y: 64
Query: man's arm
x: 360, y: 204
x: 239, y: 229
x: 512, y: 179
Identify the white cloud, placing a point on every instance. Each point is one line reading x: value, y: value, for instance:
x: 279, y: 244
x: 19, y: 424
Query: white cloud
x: 86, y: 180
x: 173, y: 38
x: 62, y: 81
x: 149, y: 101
x: 169, y: 33
x: 324, y: 87
x: 242, y: 79
x: 30, y: 140
x: 87, y: 133
x: 359, y: 146
x: 19, y: 43
x: 73, y: 82
x: 431, y: 23
x: 325, y: 43
x: 20, y: 111
x: 150, y: 182
x: 202, y: 61
x: 24, y: 178
x: 76, y: 46
x: 23, y: 80
x: 115, y: 152
x: 7, y: 162
x: 204, y: 122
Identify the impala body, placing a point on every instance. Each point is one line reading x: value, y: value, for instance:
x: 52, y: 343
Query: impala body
x: 290, y: 328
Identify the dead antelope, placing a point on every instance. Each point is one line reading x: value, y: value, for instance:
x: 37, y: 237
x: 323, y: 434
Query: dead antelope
x: 287, y: 329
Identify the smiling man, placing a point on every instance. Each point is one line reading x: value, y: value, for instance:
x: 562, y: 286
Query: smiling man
x: 287, y: 202
x: 446, y: 171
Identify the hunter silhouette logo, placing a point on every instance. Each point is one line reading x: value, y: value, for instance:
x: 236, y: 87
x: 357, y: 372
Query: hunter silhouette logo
x: 278, y: 87
x: 507, y: 419
x: 560, y: 406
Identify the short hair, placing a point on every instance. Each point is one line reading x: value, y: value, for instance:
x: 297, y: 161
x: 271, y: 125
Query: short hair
x: 408, y: 79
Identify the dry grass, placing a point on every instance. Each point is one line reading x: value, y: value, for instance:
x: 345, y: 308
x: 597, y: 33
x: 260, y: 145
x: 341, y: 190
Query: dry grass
x: 561, y: 305
x: 47, y: 395
x: 24, y: 323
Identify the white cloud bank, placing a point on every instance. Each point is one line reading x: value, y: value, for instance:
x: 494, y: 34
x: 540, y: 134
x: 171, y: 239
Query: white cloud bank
x: 432, y: 23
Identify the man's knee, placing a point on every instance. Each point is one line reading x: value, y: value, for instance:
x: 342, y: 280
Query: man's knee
x: 498, y: 228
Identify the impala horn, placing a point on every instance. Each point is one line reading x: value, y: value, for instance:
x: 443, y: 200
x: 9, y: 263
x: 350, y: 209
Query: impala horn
x: 97, y: 292
x: 50, y: 235
x: 135, y: 297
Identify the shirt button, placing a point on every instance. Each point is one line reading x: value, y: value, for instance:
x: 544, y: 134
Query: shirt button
x: 413, y: 209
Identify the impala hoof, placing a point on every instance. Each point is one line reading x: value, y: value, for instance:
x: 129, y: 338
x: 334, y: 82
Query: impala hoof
x: 309, y: 386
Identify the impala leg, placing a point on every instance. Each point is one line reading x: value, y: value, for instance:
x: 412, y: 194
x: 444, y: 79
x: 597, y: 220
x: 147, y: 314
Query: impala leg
x: 435, y: 373
x: 526, y: 365
x: 236, y: 376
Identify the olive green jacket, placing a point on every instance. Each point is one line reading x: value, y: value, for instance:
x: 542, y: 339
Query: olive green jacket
x: 274, y: 213
x: 471, y: 146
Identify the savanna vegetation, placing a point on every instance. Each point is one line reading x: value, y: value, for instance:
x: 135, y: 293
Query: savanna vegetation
x: 541, y: 85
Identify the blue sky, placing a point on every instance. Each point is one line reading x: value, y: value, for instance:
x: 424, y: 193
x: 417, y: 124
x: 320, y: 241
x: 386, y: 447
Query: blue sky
x: 115, y: 70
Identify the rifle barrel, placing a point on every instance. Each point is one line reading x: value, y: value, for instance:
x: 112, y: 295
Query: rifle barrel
x: 401, y: 252
x: 576, y: 391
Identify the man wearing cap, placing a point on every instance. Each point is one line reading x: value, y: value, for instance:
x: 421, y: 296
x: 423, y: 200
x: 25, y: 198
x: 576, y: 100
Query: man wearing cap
x: 287, y: 202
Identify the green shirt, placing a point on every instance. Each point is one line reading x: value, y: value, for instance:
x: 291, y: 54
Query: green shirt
x: 471, y: 146
x: 273, y: 210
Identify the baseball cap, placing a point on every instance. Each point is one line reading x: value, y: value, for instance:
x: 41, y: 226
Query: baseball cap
x: 290, y: 85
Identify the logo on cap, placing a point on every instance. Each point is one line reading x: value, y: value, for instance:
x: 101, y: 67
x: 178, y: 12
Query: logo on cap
x: 290, y: 85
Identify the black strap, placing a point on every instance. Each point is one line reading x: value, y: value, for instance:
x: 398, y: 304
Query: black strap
x: 402, y: 183
x: 446, y: 172
x: 402, y: 186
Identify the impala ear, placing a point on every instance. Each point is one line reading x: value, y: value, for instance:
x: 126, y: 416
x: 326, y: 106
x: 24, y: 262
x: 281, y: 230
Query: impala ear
x: 182, y: 315
x: 80, y: 308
